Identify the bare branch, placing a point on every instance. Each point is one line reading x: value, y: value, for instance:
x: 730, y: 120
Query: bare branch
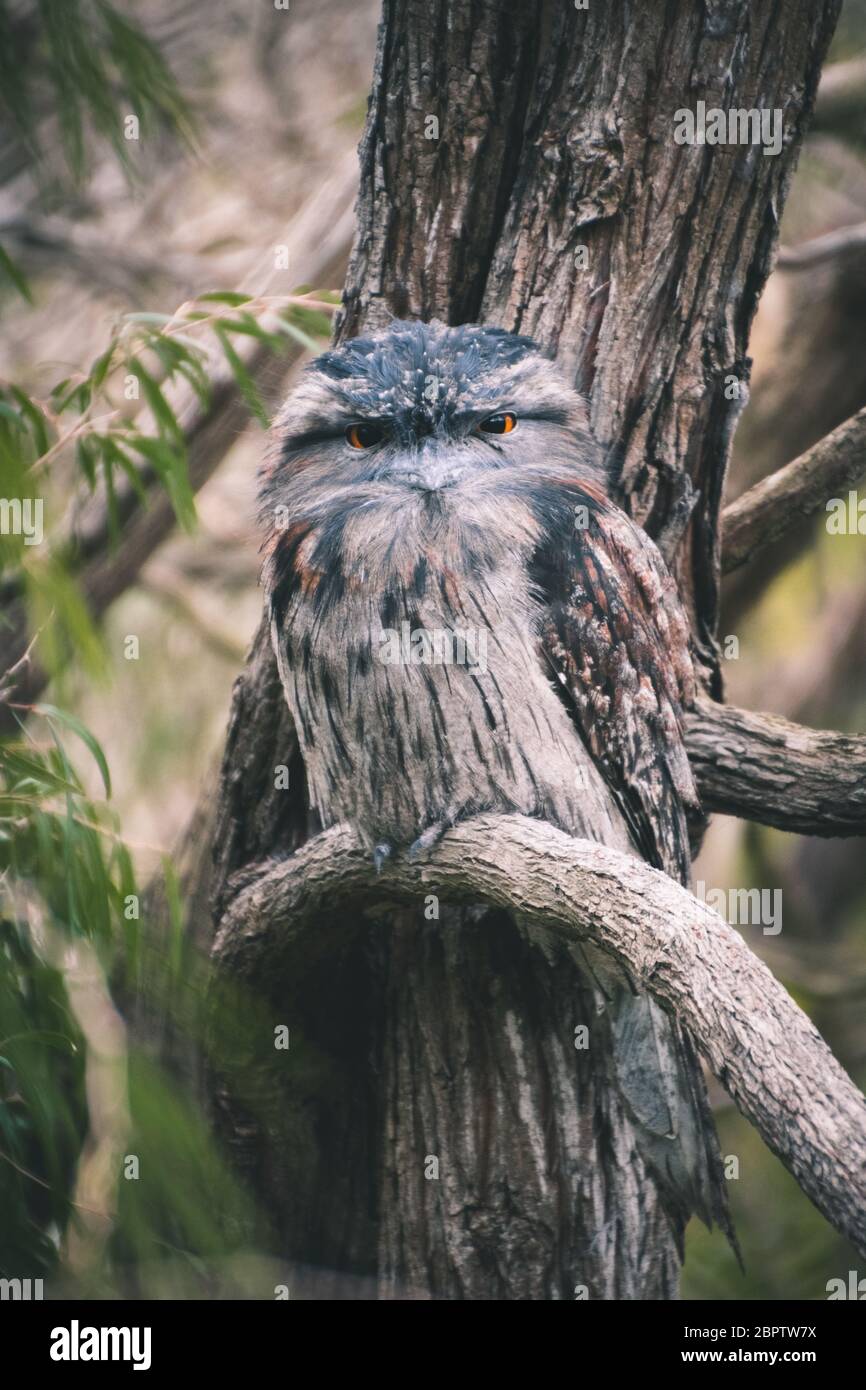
x: 58, y: 244
x: 770, y: 508
x: 763, y: 768
x: 756, y: 1040
x: 823, y: 248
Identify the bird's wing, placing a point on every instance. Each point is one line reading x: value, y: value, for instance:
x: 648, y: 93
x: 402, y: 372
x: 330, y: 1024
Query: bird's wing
x: 616, y: 638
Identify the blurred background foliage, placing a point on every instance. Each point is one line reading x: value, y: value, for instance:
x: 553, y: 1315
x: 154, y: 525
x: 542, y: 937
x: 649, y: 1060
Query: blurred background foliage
x: 157, y: 295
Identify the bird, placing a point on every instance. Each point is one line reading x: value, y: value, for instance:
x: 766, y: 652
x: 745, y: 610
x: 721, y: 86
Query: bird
x: 465, y: 621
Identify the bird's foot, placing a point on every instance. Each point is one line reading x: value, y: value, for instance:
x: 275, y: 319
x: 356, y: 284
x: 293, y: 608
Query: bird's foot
x: 427, y: 839
x: 382, y: 852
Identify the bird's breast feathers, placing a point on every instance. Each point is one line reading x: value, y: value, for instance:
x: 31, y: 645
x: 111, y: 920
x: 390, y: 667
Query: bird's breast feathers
x: 409, y: 649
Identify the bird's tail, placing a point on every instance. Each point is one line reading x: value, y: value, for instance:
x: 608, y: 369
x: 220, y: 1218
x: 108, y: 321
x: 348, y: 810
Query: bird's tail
x: 660, y: 1079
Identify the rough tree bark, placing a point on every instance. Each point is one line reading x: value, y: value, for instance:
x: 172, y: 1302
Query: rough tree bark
x: 454, y: 1038
x: 666, y: 941
x: 764, y: 768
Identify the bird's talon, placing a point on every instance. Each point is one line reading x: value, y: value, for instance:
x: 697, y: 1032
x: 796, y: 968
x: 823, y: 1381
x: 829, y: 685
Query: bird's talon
x: 380, y: 854
x: 427, y: 839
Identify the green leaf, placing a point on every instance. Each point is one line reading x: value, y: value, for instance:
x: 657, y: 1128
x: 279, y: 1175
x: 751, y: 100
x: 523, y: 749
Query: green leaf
x: 166, y: 420
x: 58, y: 610
x: 292, y: 331
x: 58, y: 1040
x: 24, y: 772
x: 101, y: 367
x: 245, y: 323
x: 69, y: 720
x: 35, y: 417
x: 148, y: 317
x: 224, y: 297
x: 85, y: 459
x: 245, y: 382
x: 190, y: 344
x: 8, y: 265
x: 198, y: 380
x: 78, y: 396
x: 115, y: 452
x: 313, y: 321
x: 170, y: 465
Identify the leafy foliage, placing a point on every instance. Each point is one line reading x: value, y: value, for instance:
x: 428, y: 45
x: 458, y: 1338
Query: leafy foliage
x: 92, y: 67
x: 66, y: 876
x: 119, y: 425
x: 64, y: 871
x: 113, y: 435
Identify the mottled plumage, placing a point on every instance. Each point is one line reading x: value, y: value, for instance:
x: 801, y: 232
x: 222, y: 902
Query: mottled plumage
x: 381, y: 561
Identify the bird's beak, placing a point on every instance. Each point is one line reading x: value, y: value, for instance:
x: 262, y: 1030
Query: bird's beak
x: 431, y: 466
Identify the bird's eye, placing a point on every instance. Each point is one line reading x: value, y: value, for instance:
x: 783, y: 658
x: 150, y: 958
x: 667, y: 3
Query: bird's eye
x: 503, y: 423
x: 365, y: 434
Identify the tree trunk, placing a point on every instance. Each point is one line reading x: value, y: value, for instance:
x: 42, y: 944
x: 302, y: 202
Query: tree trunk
x: 419, y: 1041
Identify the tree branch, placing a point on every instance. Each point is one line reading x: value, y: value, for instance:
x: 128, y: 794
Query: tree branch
x: 770, y: 508
x: 822, y: 248
x: 59, y: 244
x: 840, y: 108
x: 763, y: 768
x: 756, y: 1040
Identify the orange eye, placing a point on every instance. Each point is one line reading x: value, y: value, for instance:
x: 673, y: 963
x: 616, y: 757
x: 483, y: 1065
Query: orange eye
x: 365, y: 434
x: 503, y: 423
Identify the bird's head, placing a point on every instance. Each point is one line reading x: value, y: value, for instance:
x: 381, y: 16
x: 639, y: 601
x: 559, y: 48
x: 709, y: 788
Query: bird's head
x: 421, y: 408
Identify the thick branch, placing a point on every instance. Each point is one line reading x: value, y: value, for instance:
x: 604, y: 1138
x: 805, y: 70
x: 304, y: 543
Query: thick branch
x: 770, y: 508
x: 763, y: 768
x: 757, y: 1041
